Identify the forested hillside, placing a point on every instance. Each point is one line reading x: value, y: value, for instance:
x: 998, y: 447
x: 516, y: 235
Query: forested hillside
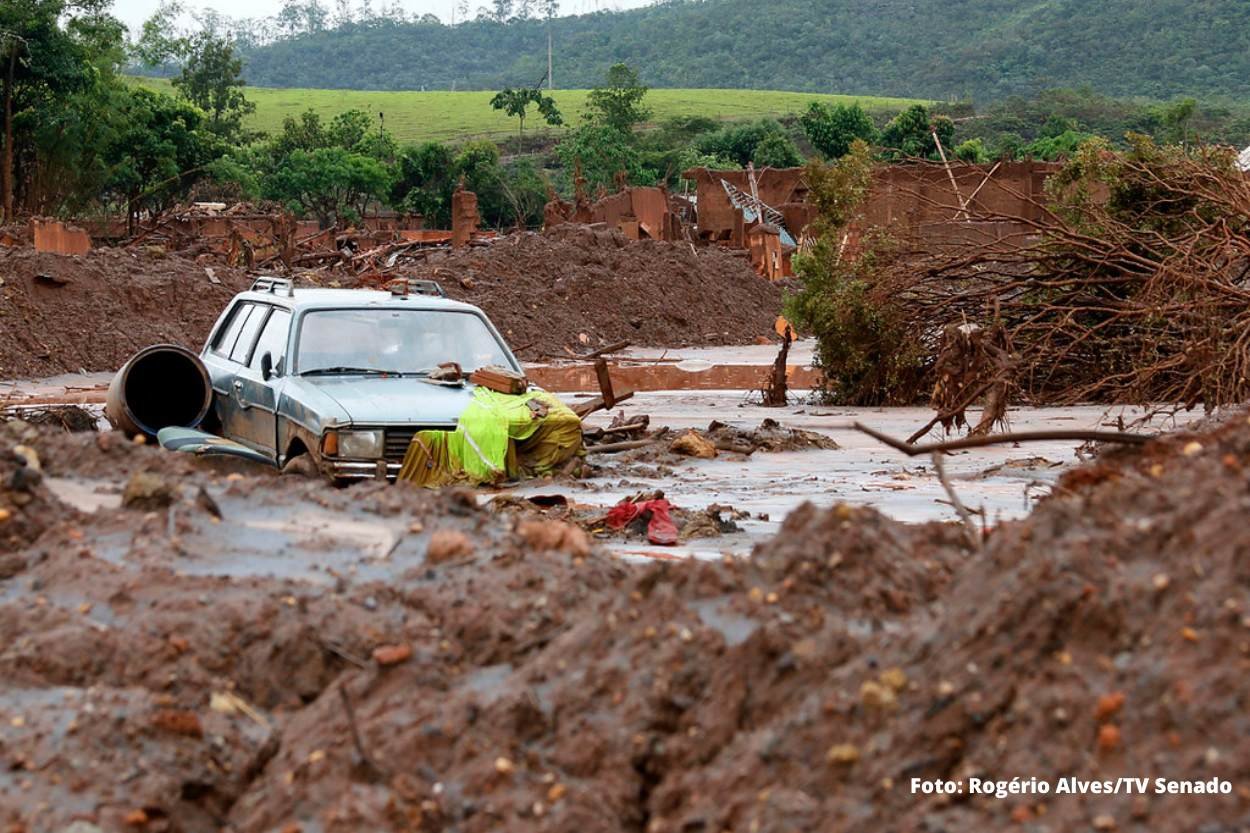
x: 984, y: 49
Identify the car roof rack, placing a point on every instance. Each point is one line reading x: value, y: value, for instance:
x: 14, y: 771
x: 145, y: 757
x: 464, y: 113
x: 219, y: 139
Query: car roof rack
x: 272, y: 285
x: 404, y: 287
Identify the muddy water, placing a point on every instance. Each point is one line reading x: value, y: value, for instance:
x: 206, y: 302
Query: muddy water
x: 998, y: 483
x: 679, y: 389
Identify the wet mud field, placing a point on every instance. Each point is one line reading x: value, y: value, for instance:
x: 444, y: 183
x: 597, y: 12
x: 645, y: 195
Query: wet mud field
x: 195, y: 647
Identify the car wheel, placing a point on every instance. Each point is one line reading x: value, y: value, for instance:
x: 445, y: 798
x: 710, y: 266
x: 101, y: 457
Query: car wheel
x: 301, y: 466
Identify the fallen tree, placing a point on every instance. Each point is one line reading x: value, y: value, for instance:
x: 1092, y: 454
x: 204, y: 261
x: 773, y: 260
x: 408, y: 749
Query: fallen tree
x: 1134, y: 287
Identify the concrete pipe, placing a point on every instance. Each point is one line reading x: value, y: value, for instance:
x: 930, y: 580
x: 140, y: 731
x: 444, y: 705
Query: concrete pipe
x: 160, y: 386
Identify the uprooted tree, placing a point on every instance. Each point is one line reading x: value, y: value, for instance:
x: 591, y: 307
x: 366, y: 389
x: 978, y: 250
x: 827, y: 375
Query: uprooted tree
x: 1133, y: 287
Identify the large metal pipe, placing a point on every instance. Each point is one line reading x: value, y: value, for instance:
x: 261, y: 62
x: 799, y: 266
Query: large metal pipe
x: 160, y: 386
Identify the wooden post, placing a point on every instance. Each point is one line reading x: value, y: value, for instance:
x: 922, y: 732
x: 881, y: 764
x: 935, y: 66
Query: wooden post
x: 963, y: 206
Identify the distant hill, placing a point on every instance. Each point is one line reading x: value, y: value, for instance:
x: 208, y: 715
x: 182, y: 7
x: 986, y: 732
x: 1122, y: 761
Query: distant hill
x: 984, y: 49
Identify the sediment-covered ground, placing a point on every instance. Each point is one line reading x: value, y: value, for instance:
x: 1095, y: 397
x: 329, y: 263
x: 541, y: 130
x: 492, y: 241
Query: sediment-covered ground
x: 576, y: 287
x: 378, y: 658
x: 572, y: 290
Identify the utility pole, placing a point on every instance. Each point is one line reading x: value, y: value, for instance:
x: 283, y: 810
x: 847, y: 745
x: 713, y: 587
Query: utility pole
x: 551, y: 84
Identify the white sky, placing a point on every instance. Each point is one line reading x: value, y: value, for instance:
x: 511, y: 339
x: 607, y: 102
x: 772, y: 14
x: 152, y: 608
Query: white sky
x: 134, y: 12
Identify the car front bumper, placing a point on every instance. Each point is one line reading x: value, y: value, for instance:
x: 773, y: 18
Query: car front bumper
x: 362, y: 469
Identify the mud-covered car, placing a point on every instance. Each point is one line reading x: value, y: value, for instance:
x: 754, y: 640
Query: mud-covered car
x: 342, y: 377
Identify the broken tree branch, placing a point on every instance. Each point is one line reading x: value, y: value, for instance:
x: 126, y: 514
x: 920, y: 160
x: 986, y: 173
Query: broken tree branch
x: 974, y: 534
x: 999, y: 439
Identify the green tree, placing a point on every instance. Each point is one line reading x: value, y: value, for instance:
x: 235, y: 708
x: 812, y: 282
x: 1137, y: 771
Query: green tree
x: 617, y: 103
x: 603, y: 152
x: 334, y: 184
x: 50, y: 52
x: 776, y: 150
x: 159, y: 41
x: 524, y: 190
x: 161, y: 148
x: 738, y: 142
x: 212, y: 79
x: 832, y: 129
x: 867, y: 356
x: 1051, y: 148
x: 973, y: 150
x: 910, y: 134
x: 516, y: 102
x: 424, y: 180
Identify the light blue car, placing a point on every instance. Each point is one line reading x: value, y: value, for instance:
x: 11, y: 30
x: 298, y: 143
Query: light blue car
x: 342, y: 376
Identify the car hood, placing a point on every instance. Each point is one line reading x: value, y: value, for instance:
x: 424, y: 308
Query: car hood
x: 373, y: 400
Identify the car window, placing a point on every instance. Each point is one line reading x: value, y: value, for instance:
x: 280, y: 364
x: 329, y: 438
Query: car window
x: 242, y: 352
x: 229, y: 333
x: 396, y: 340
x: 272, y: 338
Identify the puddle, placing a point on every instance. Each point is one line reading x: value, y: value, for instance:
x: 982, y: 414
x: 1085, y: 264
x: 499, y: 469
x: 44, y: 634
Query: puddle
x: 85, y: 495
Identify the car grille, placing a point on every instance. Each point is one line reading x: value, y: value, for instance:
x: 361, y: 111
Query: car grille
x: 396, y: 443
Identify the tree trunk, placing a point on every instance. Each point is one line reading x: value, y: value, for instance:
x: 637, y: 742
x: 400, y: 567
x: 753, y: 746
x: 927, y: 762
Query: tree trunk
x: 8, y: 134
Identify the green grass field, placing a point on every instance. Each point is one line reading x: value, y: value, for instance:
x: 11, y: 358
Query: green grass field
x: 448, y: 116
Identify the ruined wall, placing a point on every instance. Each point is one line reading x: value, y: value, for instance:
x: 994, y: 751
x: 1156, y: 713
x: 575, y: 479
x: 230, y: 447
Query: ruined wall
x: 717, y: 216
x: 916, y: 195
x: 912, y: 199
x: 638, y: 213
x: 58, y: 238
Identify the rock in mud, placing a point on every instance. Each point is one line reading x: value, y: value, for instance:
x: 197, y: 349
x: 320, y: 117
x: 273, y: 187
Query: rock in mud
x: 693, y: 445
x: 555, y: 535
x: 448, y: 544
x: 147, y: 491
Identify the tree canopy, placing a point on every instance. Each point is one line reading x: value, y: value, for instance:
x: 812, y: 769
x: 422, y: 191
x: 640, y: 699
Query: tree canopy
x: 939, y: 49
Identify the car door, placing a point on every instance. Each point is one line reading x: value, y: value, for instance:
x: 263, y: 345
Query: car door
x: 256, y: 398
x: 221, y: 369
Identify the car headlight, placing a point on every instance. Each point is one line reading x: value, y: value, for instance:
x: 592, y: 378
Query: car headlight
x: 366, y: 444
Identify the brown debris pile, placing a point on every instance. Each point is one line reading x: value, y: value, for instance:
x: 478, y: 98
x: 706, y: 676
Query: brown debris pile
x: 548, y: 294
x: 638, y: 443
x: 61, y: 314
x: 490, y: 673
x: 578, y: 286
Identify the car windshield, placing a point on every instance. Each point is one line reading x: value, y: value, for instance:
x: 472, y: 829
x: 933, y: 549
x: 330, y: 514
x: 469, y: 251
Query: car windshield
x: 345, y: 341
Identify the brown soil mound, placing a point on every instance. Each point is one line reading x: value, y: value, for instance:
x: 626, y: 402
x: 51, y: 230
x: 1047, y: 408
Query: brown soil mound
x: 575, y: 288
x: 492, y: 673
x: 61, y: 314
x: 544, y: 291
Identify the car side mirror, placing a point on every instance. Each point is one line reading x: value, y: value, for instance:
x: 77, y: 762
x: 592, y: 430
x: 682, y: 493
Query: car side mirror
x: 266, y: 366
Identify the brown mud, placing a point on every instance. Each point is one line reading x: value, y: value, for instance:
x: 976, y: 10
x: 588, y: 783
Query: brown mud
x: 166, y: 670
x: 575, y: 288
x: 563, y: 293
x: 63, y: 314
